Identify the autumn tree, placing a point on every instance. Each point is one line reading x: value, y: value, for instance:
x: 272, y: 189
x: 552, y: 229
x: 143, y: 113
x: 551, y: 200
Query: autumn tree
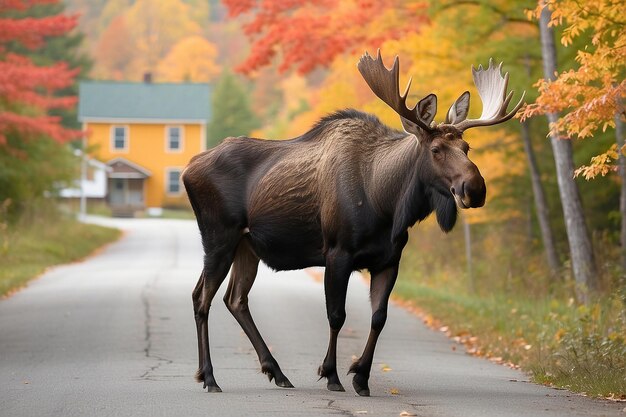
x: 26, y: 89
x: 191, y: 59
x: 31, y: 154
x: 67, y: 48
x: 581, y: 250
x: 115, y: 50
x: 308, y: 34
x: 591, y: 96
x: 156, y: 26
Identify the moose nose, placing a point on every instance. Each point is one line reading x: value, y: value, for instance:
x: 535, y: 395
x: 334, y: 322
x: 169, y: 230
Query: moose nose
x: 470, y: 192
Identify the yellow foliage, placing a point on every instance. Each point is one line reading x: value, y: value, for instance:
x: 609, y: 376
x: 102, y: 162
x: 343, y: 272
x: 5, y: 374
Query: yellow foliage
x: 156, y: 26
x: 191, y: 59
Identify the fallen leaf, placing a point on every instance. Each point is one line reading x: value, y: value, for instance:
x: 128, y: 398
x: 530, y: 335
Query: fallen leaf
x: 385, y: 368
x: 406, y: 414
x: 394, y: 391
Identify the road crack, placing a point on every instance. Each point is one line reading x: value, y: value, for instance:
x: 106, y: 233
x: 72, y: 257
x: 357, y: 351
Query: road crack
x: 148, y: 338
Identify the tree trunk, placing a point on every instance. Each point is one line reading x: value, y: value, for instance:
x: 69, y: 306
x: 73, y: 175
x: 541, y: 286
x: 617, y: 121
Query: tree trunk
x: 619, y: 134
x: 541, y: 205
x: 581, y: 251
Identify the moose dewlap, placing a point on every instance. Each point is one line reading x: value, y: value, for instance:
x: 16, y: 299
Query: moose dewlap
x: 342, y: 196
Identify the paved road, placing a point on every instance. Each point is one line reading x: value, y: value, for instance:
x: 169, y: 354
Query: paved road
x: 115, y: 336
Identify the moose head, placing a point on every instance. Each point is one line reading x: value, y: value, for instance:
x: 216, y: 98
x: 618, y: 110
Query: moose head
x: 445, y: 157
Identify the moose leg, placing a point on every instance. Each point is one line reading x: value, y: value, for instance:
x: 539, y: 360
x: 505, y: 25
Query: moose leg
x: 336, y: 277
x: 242, y: 278
x: 216, y: 267
x: 380, y: 290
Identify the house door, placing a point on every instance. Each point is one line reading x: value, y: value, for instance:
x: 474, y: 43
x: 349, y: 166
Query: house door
x: 118, y: 192
x: 126, y: 192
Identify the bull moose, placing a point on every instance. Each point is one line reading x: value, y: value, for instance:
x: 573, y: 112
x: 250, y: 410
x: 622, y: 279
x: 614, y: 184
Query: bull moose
x: 342, y: 196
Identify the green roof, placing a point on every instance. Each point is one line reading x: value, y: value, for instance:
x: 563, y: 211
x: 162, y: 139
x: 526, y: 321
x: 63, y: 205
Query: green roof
x: 138, y: 101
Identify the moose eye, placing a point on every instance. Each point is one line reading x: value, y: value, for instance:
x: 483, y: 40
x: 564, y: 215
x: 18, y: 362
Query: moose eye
x: 435, y: 150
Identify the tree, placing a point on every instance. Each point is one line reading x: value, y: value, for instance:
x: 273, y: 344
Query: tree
x: 155, y: 27
x: 581, y: 250
x: 232, y: 114
x: 27, y: 91
x: 312, y: 33
x: 191, y: 59
x: 115, y: 50
x: 593, y: 94
x: 66, y: 47
x: 32, y: 156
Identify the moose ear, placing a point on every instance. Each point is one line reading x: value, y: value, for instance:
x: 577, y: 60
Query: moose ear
x: 411, y: 127
x: 458, y: 110
x: 427, y: 108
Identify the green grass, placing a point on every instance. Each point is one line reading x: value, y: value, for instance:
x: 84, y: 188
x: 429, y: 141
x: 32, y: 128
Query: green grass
x: 181, y: 214
x: 29, y: 247
x: 556, y: 341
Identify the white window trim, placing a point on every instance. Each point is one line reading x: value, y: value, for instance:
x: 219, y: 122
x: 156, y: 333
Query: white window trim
x: 167, y: 181
x: 112, y: 139
x: 181, y: 138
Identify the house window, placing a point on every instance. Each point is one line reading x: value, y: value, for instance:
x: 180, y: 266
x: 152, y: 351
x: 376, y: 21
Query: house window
x: 174, y: 138
x: 119, y: 138
x: 172, y: 181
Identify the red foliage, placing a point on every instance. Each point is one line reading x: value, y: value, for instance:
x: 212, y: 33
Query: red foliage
x: 311, y: 33
x: 32, y: 32
x: 27, y: 91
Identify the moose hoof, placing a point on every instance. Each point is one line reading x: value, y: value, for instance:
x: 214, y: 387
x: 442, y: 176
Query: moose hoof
x: 213, y: 388
x: 208, y: 381
x: 333, y: 383
x: 211, y: 385
x: 335, y: 386
x: 360, y: 386
x: 284, y: 382
x: 272, y: 370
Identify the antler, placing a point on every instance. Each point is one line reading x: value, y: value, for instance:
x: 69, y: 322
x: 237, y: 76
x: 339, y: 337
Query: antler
x: 385, y: 84
x: 491, y: 87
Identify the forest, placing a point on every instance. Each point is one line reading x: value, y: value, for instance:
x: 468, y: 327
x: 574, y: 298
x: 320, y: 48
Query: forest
x: 535, y: 279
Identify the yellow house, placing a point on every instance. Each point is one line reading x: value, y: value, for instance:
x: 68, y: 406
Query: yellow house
x: 146, y: 133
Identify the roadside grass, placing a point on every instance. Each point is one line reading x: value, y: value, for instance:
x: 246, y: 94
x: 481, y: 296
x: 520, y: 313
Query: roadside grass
x: 102, y: 209
x: 43, y: 239
x: 541, y: 330
x: 575, y: 347
x: 181, y: 214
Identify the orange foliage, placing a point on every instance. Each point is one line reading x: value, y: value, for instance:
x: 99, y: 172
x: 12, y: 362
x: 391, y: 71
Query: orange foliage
x: 115, y: 50
x: 593, y: 94
x: 311, y: 33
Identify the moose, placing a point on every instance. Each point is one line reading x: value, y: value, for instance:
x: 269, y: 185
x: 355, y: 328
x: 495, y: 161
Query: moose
x: 342, y: 196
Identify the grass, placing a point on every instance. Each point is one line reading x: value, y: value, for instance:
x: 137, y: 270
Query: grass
x: 514, y: 311
x: 182, y: 213
x: 40, y: 241
x: 556, y: 341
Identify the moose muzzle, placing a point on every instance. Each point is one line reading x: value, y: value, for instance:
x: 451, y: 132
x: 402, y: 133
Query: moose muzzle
x: 469, y: 191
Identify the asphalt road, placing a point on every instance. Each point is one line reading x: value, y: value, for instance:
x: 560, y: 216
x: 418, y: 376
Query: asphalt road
x: 115, y: 335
